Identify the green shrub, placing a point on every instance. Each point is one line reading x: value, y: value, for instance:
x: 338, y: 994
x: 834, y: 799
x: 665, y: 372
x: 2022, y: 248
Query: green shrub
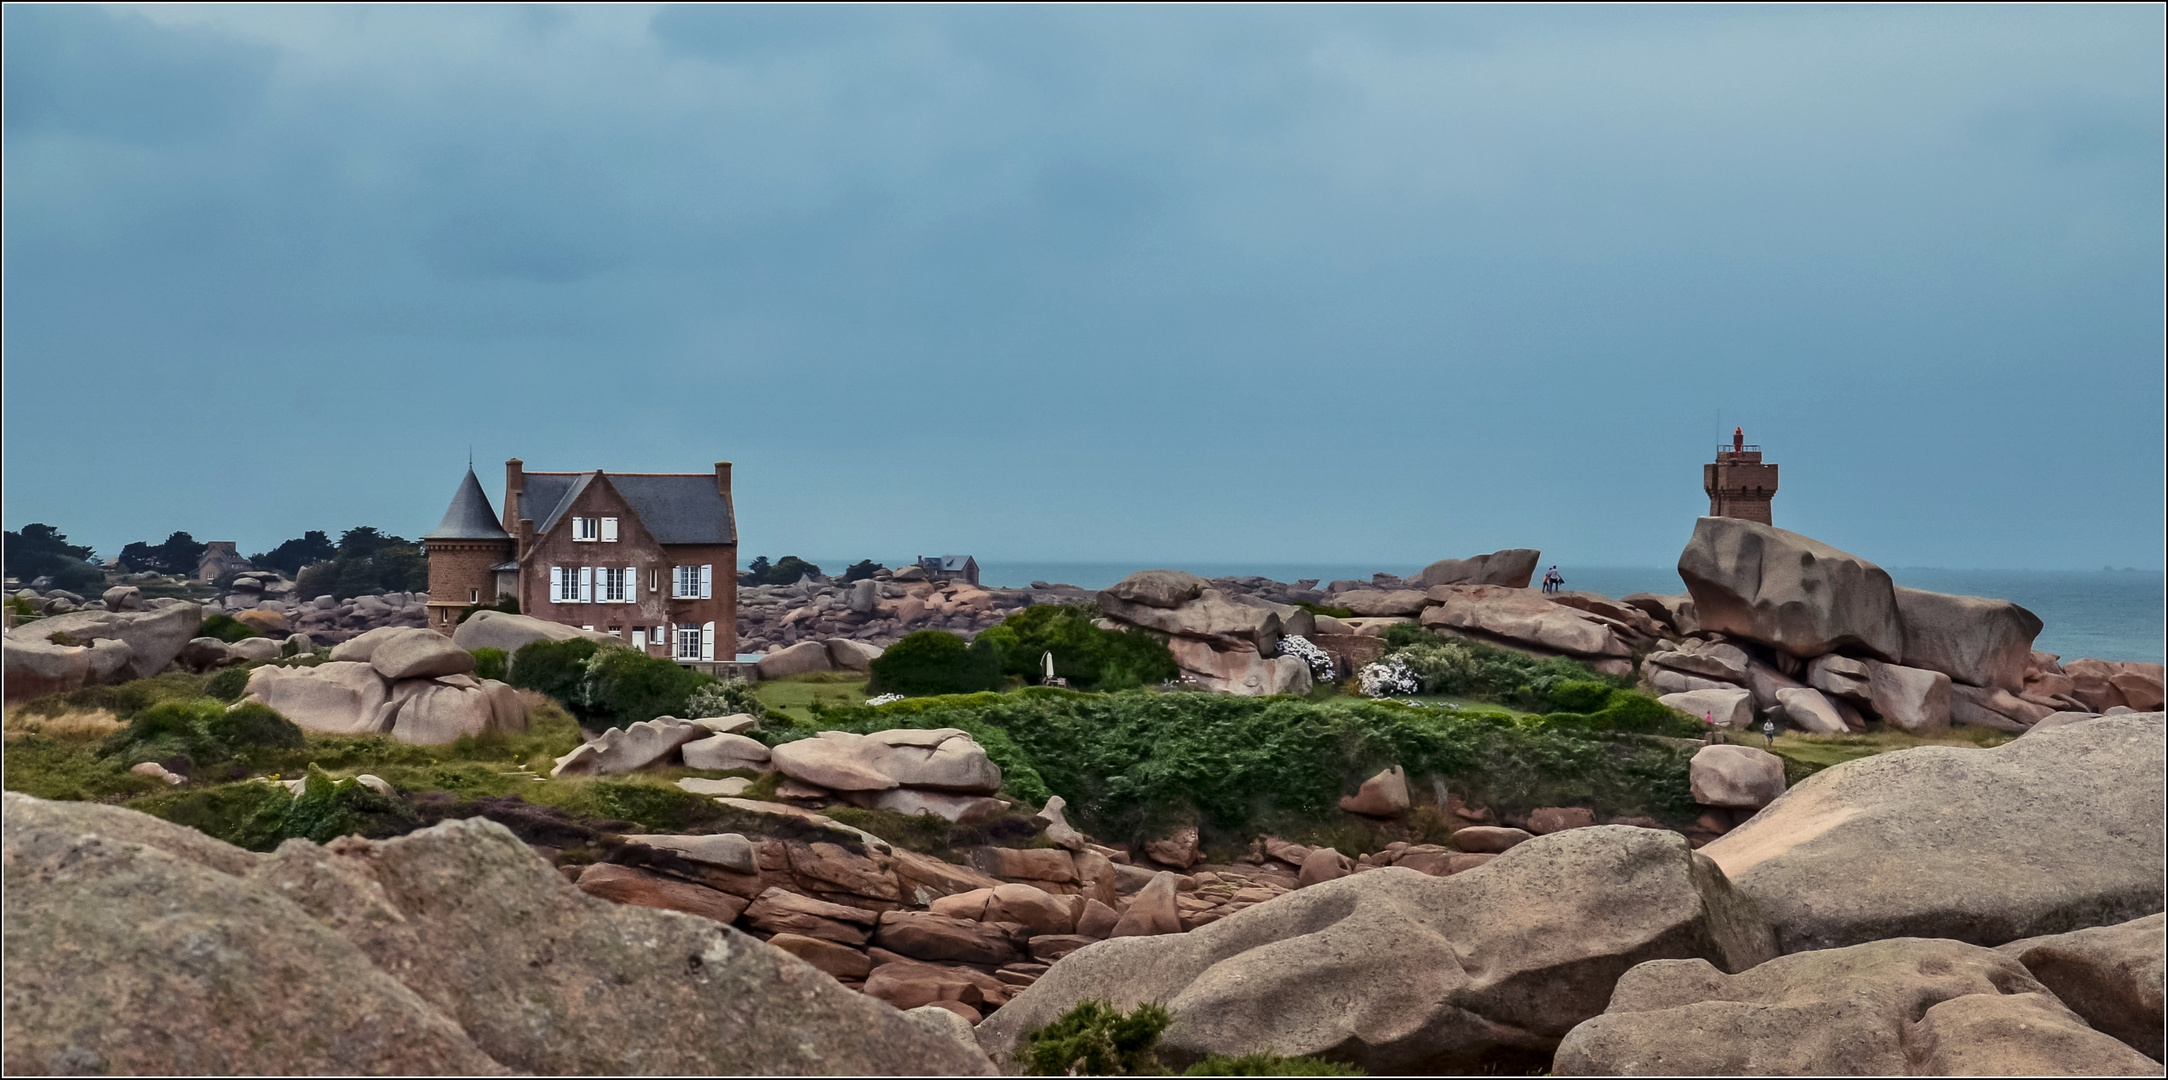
x: 624, y: 686
x: 935, y: 662
x: 1136, y: 762
x: 250, y: 814
x: 726, y: 698
x: 1269, y: 1065
x: 225, y: 628
x: 228, y: 685
x: 489, y: 664
x: 555, y: 668
x: 204, y: 731
x: 1096, y: 1039
x: 328, y: 809
x: 254, y: 725
x: 1088, y: 656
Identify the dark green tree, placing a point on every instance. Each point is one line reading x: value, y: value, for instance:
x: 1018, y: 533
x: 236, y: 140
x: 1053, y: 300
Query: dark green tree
x: 41, y: 550
x: 861, y: 570
x: 312, y: 546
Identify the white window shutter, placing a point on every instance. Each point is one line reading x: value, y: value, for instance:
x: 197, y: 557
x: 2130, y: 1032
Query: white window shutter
x: 557, y: 584
x: 707, y: 641
x: 587, y: 584
x: 632, y: 584
x: 707, y: 582
x: 609, y: 529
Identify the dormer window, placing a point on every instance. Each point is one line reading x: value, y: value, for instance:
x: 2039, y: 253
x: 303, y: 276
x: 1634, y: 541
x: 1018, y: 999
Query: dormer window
x: 586, y: 529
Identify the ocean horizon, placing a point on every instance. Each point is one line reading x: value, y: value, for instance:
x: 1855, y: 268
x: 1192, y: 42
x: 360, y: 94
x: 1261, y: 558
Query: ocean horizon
x: 2108, y: 614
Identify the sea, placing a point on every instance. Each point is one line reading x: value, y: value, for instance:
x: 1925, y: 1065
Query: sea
x: 2109, y: 614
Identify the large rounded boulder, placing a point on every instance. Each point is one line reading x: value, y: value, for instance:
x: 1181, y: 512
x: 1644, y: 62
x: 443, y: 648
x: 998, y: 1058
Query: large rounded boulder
x: 1789, y: 591
x: 2053, y: 832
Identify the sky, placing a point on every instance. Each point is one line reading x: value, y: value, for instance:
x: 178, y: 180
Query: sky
x: 1285, y: 284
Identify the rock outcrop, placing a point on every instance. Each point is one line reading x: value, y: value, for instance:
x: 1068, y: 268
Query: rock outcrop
x: 1222, y: 642
x: 356, y: 697
x: 1736, y: 777
x: 1512, y: 568
x: 132, y: 950
x: 1972, y: 639
x: 2110, y: 975
x: 89, y: 648
x: 1789, y: 591
x: 1903, y: 1007
x: 1398, y: 971
x: 2053, y: 832
x: 503, y: 630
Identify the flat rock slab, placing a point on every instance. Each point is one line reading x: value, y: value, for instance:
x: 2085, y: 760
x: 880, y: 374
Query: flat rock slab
x: 2049, y: 833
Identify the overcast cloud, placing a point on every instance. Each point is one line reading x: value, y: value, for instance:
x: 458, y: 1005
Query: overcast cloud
x: 1275, y: 284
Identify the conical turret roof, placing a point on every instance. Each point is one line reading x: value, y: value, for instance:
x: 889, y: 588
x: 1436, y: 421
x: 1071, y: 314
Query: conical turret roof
x: 470, y: 516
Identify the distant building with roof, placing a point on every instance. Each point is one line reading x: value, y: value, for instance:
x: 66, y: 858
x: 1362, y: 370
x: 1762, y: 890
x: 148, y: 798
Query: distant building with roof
x: 219, y: 558
x: 962, y: 568
x: 648, y: 557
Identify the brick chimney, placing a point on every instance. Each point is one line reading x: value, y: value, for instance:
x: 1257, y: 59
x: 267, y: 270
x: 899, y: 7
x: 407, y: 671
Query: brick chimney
x: 722, y: 478
x: 515, y: 482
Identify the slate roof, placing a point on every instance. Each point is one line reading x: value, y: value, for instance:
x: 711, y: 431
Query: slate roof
x: 675, y: 508
x: 470, y: 516
x: 944, y: 563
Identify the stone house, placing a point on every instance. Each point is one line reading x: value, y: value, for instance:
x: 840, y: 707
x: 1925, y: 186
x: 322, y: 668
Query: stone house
x: 648, y: 557
x: 962, y: 568
x: 220, y: 557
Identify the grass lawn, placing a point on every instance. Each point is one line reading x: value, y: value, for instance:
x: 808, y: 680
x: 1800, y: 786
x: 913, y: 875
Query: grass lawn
x: 794, y: 697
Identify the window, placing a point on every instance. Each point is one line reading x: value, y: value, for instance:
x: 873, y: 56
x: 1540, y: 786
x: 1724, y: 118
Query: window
x: 654, y: 580
x: 474, y: 596
x: 609, y: 530
x: 688, y: 643
x: 610, y: 583
x: 564, y: 585
x: 616, y: 631
x: 586, y: 529
x: 687, y: 583
x: 639, y: 638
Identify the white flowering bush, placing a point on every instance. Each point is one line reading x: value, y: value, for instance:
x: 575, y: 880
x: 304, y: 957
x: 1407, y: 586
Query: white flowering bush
x: 727, y: 698
x: 1386, y: 678
x: 884, y: 699
x: 1301, y: 648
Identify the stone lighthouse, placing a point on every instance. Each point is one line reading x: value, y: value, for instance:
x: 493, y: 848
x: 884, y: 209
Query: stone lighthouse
x: 1739, y: 483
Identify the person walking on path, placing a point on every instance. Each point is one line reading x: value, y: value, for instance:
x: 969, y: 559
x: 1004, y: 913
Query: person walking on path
x: 1769, y: 732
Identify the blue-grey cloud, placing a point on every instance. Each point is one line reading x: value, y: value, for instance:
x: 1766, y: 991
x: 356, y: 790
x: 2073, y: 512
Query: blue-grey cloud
x: 1254, y: 283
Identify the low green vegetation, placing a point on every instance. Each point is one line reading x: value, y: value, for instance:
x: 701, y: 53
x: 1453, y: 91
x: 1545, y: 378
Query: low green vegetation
x: 490, y: 663
x: 1013, y: 653
x: 802, y: 699
x: 225, y: 628
x: 1094, y: 1038
x: 936, y: 662
x: 1136, y: 763
x: 606, y: 687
